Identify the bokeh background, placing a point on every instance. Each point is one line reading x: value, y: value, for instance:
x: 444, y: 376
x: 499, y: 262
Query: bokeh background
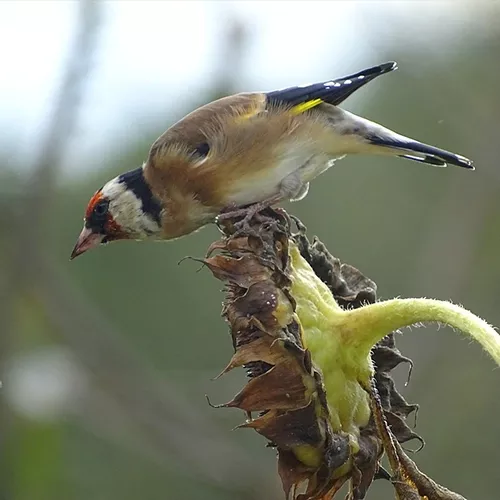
x: 105, y: 361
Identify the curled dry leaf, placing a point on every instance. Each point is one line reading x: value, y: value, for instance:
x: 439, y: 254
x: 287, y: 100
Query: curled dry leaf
x: 320, y: 446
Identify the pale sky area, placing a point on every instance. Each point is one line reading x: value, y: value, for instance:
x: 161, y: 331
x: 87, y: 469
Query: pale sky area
x: 153, y: 56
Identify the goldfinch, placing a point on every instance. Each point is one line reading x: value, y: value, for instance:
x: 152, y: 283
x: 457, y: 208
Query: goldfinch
x: 246, y: 149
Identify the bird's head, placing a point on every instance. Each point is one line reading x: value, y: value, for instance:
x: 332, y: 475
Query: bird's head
x: 124, y: 208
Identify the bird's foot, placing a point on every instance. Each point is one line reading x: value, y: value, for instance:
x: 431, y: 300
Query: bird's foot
x: 247, y: 213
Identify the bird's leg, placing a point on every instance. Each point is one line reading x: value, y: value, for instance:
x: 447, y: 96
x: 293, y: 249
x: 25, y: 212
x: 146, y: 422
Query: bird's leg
x: 248, y: 213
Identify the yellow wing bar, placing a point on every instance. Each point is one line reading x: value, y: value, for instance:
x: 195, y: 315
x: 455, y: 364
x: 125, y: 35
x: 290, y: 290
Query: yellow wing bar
x: 304, y: 106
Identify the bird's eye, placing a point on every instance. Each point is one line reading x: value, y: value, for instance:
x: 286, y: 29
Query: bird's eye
x: 101, y: 208
x: 202, y: 149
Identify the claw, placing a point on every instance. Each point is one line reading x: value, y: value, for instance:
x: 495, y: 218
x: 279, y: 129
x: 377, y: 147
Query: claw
x: 248, y: 213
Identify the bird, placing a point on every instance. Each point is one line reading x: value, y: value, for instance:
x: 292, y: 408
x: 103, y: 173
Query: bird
x: 244, y: 151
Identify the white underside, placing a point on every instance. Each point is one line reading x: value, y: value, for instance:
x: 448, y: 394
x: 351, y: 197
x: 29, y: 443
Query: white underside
x: 289, y: 177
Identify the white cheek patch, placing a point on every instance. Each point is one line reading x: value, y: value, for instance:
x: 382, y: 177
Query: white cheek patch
x: 126, y: 209
x: 113, y: 189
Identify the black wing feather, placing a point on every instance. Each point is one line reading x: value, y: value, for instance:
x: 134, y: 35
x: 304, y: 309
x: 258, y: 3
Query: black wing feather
x: 330, y: 91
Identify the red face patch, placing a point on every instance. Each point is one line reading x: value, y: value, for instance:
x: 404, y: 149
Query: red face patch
x: 114, y: 230
x: 100, y: 220
x: 92, y: 203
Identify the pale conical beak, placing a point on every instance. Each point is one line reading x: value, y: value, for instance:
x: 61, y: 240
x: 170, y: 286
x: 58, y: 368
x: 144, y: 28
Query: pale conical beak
x: 87, y: 240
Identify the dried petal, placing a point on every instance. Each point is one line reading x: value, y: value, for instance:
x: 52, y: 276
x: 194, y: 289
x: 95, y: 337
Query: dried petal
x: 291, y: 471
x: 242, y: 270
x: 264, y: 349
x: 282, y: 387
x: 289, y: 429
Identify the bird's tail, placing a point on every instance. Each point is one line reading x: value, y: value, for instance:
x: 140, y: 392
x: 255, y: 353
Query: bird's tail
x: 410, y: 149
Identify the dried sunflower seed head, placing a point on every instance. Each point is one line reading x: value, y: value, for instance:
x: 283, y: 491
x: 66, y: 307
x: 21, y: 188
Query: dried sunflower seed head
x: 326, y: 403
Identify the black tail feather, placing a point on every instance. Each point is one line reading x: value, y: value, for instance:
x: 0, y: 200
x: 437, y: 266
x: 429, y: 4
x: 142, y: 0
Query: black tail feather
x: 423, y: 153
x: 430, y: 160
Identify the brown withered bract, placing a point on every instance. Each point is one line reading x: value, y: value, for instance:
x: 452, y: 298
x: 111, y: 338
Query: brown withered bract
x: 285, y: 400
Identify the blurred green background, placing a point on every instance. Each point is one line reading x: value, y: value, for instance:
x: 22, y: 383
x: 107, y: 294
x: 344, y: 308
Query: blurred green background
x: 105, y: 361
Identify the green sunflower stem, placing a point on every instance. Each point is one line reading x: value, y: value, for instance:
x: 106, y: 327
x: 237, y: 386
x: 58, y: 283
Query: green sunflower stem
x: 367, y: 325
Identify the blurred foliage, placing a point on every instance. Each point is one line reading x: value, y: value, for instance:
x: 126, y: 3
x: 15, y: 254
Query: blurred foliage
x: 146, y: 335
